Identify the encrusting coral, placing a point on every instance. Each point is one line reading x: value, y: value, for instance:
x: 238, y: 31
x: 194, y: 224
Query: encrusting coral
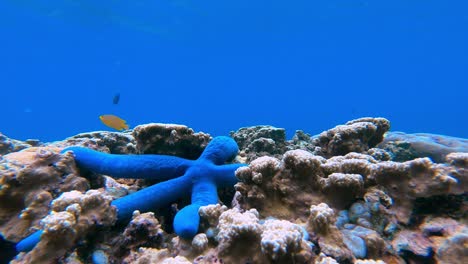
x: 242, y: 233
x: 355, y: 136
x: 152, y: 255
x: 143, y: 230
x: 8, y: 145
x: 73, y: 216
x: 321, y: 221
x: 285, y: 187
x: 30, y: 179
x: 410, y: 146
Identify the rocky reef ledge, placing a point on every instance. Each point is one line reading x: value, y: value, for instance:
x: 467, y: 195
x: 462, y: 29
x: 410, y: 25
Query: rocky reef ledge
x: 356, y: 193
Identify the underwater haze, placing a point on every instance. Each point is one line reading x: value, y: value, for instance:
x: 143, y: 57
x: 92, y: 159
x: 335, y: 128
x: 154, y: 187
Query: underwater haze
x: 217, y: 66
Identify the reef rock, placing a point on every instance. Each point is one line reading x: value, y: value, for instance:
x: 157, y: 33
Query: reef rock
x: 257, y: 141
x: 8, y: 145
x: 30, y: 179
x: 105, y: 141
x: 170, y: 139
x: 420, y: 145
x: 74, y: 215
x: 355, y: 136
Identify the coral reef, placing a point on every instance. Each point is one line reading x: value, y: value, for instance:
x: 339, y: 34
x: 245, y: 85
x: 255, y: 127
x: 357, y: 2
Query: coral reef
x: 358, y: 135
x: 418, y: 145
x: 73, y: 216
x: 152, y: 255
x: 8, y: 145
x: 321, y: 222
x: 170, y: 139
x: 347, y: 195
x: 106, y: 141
x: 200, y: 177
x: 30, y: 179
x: 258, y: 141
x: 143, y: 230
x: 355, y: 136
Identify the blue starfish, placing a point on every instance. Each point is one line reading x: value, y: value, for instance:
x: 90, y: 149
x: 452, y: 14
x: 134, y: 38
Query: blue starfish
x: 179, y: 177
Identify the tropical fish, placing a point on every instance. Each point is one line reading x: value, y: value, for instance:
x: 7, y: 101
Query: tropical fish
x: 116, y: 98
x: 114, y: 122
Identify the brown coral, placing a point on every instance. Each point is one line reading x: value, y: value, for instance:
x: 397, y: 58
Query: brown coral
x: 405, y: 182
x: 322, y: 222
x: 106, y: 141
x: 143, y: 230
x: 355, y: 136
x: 152, y: 255
x: 257, y: 141
x: 170, y: 139
x: 73, y: 216
x: 8, y: 145
x: 30, y: 179
x: 286, y: 188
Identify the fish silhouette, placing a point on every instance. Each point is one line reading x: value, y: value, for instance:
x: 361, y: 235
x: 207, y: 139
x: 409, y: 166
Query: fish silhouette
x: 116, y: 98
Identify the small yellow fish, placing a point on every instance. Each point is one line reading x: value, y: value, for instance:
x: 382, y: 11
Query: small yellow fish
x: 114, y: 122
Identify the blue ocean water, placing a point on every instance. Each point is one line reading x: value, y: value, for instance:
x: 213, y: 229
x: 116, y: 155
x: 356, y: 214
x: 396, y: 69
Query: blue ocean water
x: 219, y: 65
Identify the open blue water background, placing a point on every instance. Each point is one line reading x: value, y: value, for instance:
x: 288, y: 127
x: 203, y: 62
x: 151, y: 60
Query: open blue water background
x: 219, y: 65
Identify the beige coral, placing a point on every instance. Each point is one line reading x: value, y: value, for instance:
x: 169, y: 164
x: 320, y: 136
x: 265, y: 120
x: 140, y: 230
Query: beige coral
x: 233, y: 224
x: 279, y: 238
x: 409, y: 180
x: 74, y: 215
x: 355, y: 136
x: 274, y: 187
x: 211, y: 213
x: 30, y: 179
x: 285, y: 188
x: 321, y: 218
x: 272, y: 240
x: 200, y: 242
x: 459, y: 163
x: 152, y: 255
x: 369, y: 261
x: 105, y: 141
x: 302, y: 163
x: 322, y: 222
x: 343, y: 187
x: 324, y: 259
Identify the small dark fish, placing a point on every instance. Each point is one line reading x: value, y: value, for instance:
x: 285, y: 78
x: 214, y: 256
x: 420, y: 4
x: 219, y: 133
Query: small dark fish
x: 116, y: 98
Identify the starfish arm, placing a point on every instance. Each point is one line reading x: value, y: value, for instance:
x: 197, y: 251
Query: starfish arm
x: 155, y: 196
x: 29, y: 242
x: 187, y: 220
x: 144, y: 200
x: 220, y: 150
x: 157, y: 167
x: 226, y: 174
